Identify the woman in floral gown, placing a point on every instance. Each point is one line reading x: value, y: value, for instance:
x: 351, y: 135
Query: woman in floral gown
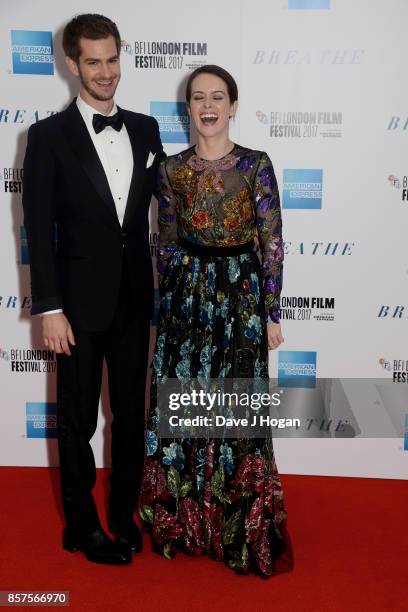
x: 219, y: 314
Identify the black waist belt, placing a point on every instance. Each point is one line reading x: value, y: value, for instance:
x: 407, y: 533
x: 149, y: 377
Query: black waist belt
x: 216, y: 251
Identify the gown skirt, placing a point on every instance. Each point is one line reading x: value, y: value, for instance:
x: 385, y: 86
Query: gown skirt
x: 219, y: 497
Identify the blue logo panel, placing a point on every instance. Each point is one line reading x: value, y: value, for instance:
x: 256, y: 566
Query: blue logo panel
x: 32, y: 52
x: 302, y: 188
x: 297, y: 369
x: 406, y: 433
x: 296, y: 5
x: 155, y: 319
x: 24, y: 253
x: 173, y: 120
x: 41, y: 420
x: 24, y: 257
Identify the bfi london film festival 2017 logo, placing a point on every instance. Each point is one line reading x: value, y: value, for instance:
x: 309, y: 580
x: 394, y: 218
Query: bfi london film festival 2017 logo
x: 400, y: 186
x: 12, y: 180
x: 31, y: 361
x: 307, y: 308
x: 32, y: 52
x: 173, y: 120
x: 166, y: 55
x: 302, y: 124
x: 398, y: 369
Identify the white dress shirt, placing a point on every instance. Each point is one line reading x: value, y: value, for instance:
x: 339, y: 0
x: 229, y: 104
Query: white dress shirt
x: 115, y: 153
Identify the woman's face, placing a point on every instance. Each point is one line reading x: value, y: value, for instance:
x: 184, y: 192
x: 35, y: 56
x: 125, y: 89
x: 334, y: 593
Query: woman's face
x: 210, y: 106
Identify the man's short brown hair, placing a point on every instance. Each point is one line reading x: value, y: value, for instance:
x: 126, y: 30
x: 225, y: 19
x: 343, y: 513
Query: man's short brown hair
x: 89, y: 25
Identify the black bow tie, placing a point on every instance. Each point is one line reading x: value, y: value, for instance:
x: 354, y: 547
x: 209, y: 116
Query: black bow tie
x: 100, y: 122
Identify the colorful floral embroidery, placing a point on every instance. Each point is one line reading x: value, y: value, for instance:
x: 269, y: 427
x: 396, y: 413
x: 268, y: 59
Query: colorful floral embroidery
x: 201, y: 220
x: 211, y: 496
x: 224, y: 202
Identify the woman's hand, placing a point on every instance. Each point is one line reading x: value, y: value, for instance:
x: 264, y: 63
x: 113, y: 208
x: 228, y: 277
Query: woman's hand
x: 275, y: 337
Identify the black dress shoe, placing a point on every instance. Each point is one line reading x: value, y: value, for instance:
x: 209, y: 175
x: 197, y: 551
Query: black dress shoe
x: 98, y: 547
x: 128, y: 533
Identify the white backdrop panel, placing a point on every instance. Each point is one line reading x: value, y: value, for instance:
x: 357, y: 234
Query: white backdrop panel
x: 320, y: 90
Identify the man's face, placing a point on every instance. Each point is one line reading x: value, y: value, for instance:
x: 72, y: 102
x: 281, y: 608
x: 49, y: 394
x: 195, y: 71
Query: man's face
x: 98, y: 67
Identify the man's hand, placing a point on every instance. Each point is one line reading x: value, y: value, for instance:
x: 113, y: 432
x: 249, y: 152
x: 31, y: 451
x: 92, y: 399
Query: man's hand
x: 57, y: 333
x: 275, y: 337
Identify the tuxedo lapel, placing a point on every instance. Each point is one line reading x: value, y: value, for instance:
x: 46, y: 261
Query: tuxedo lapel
x: 78, y: 137
x: 138, y: 149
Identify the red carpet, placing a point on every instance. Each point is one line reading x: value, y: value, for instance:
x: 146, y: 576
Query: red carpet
x: 350, y: 539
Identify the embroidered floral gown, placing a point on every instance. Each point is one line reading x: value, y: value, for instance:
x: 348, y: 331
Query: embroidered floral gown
x: 211, y: 496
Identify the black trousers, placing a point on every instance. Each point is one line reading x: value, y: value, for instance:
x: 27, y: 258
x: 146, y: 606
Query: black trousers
x: 125, y: 346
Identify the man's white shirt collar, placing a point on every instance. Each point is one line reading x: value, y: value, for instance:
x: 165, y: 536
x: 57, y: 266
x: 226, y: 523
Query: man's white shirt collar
x: 88, y: 111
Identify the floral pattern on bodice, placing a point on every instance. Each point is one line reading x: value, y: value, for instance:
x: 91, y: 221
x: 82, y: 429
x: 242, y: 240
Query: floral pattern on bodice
x: 225, y: 202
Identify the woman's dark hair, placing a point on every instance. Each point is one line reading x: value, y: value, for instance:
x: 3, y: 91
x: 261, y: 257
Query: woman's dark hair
x: 91, y: 26
x: 232, y: 87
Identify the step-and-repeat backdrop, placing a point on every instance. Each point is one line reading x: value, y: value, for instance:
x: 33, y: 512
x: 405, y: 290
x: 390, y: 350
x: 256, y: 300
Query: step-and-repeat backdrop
x: 323, y: 91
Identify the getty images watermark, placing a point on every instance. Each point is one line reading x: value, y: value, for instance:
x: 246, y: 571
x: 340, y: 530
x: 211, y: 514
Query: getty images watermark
x: 259, y: 408
x: 220, y: 408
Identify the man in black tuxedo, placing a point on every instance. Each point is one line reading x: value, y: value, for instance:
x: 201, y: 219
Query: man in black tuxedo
x: 88, y: 180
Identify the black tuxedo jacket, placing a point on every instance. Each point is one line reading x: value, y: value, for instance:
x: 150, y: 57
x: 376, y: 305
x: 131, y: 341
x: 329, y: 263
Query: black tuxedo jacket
x: 76, y: 243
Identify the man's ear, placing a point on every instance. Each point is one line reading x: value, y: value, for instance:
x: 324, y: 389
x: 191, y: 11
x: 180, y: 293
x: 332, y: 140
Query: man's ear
x: 72, y: 66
